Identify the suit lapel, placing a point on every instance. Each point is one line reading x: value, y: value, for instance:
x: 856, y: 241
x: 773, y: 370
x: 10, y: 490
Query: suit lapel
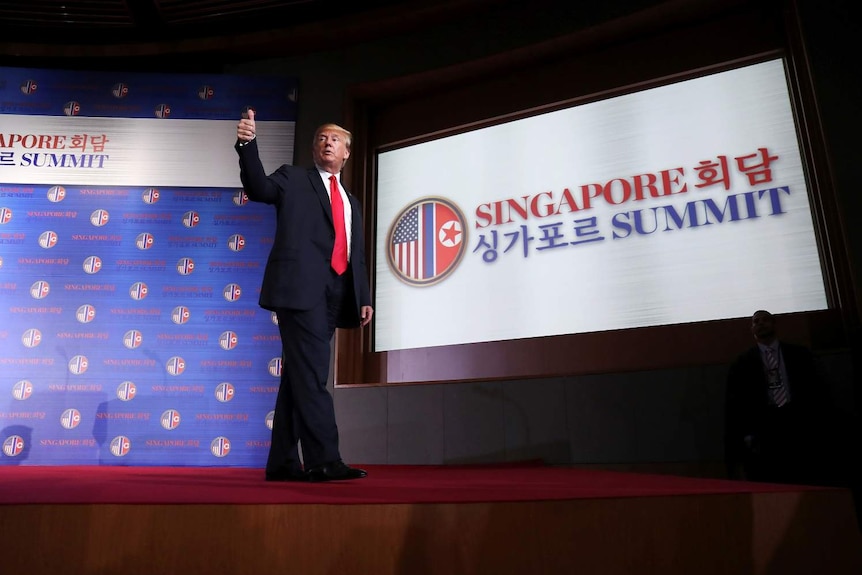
x: 322, y: 195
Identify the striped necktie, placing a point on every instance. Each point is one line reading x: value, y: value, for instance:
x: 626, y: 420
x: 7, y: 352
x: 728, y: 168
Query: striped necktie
x: 777, y: 387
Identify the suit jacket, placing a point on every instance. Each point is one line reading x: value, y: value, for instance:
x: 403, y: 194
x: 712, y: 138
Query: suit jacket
x: 298, y: 268
x: 795, y: 428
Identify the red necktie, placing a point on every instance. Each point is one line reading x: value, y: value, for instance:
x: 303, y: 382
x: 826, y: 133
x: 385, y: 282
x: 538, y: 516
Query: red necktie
x: 339, y: 250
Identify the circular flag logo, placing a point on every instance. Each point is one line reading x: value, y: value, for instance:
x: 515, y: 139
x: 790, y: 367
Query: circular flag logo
x: 56, y: 194
x: 232, y: 292
x: 92, y: 265
x: 191, y: 219
x: 78, y: 364
x: 40, y: 289
x: 13, y: 445
x: 426, y: 241
x: 228, y: 340
x: 162, y: 111
x: 220, y: 446
x: 120, y: 90
x: 48, y: 239
x: 138, y: 291
x: 206, y: 92
x: 224, y: 392
x: 236, y: 243
x: 85, y: 313
x: 31, y: 338
x: 180, y: 315
x: 22, y: 390
x: 126, y: 391
x: 170, y: 419
x: 120, y: 446
x: 5, y: 215
x: 240, y: 198
x: 133, y: 339
x: 270, y: 417
x: 144, y: 241
x: 29, y: 87
x: 275, y: 367
x: 176, y: 365
x: 99, y: 218
x: 185, y: 266
x: 70, y: 419
x: 72, y: 108
x: 150, y: 196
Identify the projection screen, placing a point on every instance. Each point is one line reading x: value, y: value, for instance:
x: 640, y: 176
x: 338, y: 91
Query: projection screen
x: 681, y: 203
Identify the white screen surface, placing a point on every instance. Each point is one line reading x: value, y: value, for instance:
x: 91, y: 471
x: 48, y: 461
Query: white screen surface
x: 682, y: 203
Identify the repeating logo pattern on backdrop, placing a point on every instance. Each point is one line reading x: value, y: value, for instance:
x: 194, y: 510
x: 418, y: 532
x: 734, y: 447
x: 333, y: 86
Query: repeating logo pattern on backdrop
x: 121, y: 348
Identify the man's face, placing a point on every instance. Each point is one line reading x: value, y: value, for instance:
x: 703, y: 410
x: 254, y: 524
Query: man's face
x: 330, y: 150
x: 763, y: 326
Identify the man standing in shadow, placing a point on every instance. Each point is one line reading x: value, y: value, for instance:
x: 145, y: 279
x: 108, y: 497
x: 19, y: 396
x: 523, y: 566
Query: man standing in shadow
x: 777, y: 401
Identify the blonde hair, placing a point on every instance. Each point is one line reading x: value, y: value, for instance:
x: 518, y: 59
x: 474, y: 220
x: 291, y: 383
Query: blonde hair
x: 348, y: 137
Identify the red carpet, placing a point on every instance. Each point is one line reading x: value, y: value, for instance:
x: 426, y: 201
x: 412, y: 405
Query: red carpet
x: 384, y: 484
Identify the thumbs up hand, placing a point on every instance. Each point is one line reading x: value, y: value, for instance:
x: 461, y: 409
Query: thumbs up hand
x: 245, y: 130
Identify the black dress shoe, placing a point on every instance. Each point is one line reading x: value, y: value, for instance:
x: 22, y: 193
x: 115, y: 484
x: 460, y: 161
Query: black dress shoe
x: 334, y: 471
x: 293, y: 475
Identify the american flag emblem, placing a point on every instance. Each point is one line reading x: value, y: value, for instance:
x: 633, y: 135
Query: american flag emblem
x: 236, y: 243
x: 138, y: 291
x: 220, y: 446
x: 270, y: 417
x: 126, y: 391
x: 92, y: 265
x: 273, y: 317
x: 56, y: 194
x: 99, y: 218
x: 224, y: 392
x: 72, y: 108
x: 240, y: 198
x: 206, y: 92
x: 145, y: 241
x: 29, y: 87
x: 232, y: 292
x: 170, y: 419
x: 426, y: 241
x: 133, y: 339
x: 78, y: 364
x: 13, y: 445
x: 180, y: 315
x: 275, y: 367
x: 5, y: 215
x: 185, y: 266
x: 85, y: 313
x: 40, y: 289
x: 191, y: 219
x: 120, y: 90
x: 150, y: 196
x: 162, y: 111
x: 120, y: 446
x: 176, y: 365
x: 228, y: 340
x: 70, y: 419
x: 48, y: 239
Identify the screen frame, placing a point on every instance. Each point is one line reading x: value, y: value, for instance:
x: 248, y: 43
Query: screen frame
x: 587, y: 66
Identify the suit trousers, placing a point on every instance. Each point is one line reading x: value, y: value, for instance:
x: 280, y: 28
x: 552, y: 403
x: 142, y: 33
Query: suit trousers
x: 304, y: 409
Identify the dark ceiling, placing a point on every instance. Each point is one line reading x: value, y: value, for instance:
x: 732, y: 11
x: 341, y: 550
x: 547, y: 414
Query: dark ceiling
x: 99, y: 22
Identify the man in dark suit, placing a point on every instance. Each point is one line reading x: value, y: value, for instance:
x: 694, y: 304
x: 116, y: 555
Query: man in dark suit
x: 776, y: 403
x: 315, y: 280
